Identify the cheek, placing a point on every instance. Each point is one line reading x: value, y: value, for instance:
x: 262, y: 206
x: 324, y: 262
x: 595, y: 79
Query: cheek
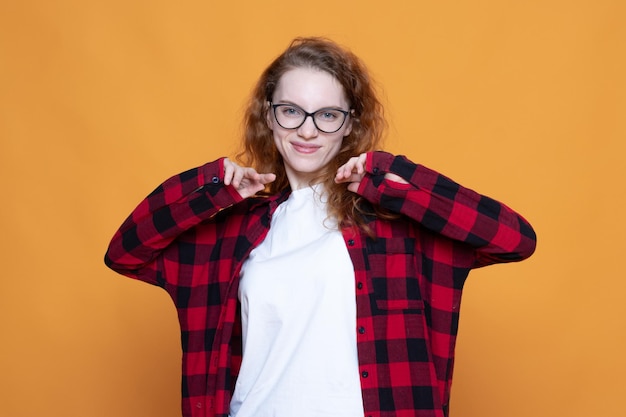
x: 338, y: 143
x: 278, y: 141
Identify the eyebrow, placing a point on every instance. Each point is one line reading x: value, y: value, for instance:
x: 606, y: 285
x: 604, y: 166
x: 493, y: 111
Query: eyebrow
x: 299, y: 106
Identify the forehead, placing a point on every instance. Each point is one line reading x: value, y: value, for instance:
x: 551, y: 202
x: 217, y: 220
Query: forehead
x: 310, y: 88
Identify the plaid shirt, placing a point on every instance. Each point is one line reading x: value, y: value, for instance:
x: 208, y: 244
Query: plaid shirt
x: 192, y: 234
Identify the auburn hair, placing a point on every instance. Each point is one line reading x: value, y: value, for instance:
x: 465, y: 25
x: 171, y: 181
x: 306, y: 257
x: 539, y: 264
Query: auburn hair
x: 368, y: 121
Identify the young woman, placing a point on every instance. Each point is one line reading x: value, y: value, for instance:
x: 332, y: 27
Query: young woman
x: 318, y: 276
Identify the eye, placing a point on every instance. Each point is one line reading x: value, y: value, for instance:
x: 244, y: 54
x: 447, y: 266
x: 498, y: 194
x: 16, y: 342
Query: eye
x: 328, y: 115
x: 290, y: 111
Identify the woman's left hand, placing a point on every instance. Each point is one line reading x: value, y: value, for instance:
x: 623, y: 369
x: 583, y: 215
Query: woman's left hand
x: 353, y: 172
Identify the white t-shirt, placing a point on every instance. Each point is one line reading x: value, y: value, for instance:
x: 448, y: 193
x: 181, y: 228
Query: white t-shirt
x: 299, y: 319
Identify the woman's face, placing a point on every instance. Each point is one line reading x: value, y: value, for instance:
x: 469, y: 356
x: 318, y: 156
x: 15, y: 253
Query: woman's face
x: 307, y: 150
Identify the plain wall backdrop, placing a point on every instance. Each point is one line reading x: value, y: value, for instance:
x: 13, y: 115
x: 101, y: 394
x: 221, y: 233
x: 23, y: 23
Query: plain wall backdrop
x: 102, y: 100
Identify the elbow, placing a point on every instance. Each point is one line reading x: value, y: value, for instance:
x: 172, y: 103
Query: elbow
x: 111, y: 264
x: 528, y: 250
x: 516, y: 252
x: 528, y: 242
x: 524, y: 249
x: 120, y: 267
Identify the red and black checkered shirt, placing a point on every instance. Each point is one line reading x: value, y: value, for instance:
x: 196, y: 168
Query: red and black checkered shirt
x: 192, y: 234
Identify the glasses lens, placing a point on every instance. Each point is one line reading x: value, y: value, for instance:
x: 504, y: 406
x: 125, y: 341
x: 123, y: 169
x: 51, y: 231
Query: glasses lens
x: 329, y: 120
x: 292, y: 117
x: 288, y: 116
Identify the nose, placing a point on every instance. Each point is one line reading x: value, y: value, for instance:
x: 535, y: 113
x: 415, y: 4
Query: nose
x: 308, y: 129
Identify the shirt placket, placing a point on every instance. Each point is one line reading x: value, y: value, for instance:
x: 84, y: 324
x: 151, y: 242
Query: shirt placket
x: 364, y: 324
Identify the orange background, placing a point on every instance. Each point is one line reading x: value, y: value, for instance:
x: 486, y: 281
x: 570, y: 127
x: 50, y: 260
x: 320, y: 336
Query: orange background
x: 101, y: 100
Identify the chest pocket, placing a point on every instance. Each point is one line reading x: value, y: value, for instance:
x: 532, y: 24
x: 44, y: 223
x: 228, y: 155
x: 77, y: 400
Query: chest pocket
x: 394, y: 274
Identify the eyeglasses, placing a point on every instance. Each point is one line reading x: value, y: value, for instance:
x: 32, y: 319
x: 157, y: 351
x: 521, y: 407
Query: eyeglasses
x: 328, y: 120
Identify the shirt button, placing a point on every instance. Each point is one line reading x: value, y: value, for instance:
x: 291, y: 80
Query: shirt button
x: 351, y: 242
x: 198, y: 405
x: 215, y: 180
x: 362, y: 330
x: 365, y: 374
x: 375, y: 171
x: 359, y: 285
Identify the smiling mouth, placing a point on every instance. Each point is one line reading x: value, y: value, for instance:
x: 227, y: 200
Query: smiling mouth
x: 305, y: 148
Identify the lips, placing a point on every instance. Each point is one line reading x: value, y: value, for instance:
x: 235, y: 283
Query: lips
x: 306, y: 148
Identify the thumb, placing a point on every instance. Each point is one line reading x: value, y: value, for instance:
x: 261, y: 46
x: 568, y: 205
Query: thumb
x: 354, y: 186
x: 267, y: 178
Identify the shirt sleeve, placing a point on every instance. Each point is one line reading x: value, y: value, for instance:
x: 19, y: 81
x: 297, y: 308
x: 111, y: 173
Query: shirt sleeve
x: 177, y: 205
x: 497, y: 233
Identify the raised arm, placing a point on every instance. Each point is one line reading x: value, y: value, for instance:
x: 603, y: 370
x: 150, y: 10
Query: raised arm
x: 497, y: 233
x: 180, y: 203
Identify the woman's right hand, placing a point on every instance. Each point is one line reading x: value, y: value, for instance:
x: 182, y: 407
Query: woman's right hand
x: 246, y: 180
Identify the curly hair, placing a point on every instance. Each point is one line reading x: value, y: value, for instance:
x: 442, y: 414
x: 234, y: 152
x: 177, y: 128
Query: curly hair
x: 368, y: 121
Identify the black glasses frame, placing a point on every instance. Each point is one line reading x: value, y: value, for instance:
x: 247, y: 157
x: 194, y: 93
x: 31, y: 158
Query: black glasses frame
x: 307, y: 114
